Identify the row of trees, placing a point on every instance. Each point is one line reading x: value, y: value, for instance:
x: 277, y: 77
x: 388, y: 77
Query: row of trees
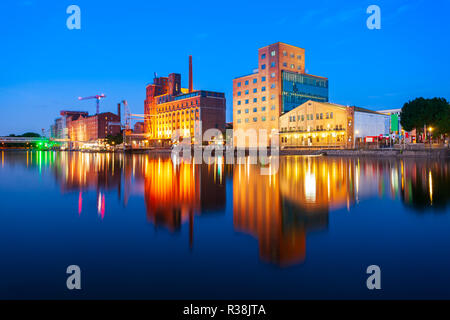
x: 431, y: 113
x: 27, y: 134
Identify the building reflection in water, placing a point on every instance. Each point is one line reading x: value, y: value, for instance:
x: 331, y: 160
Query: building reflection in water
x: 177, y: 191
x: 279, y: 210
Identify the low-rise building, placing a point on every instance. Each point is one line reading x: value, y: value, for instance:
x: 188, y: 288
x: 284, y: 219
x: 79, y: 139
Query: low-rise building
x: 329, y: 125
x: 93, y: 128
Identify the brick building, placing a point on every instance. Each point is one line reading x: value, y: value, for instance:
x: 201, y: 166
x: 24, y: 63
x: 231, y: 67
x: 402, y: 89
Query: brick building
x: 93, y: 128
x: 169, y: 107
x: 278, y: 85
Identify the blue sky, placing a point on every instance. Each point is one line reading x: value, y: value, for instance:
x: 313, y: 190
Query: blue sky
x: 44, y: 66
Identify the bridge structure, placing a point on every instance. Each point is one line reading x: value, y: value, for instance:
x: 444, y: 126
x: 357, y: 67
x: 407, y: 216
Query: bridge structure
x: 23, y: 139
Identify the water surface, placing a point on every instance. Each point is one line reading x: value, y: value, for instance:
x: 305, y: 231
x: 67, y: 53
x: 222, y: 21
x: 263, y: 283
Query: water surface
x: 141, y: 226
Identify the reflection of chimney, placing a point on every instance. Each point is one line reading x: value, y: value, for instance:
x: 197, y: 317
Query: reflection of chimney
x: 118, y: 110
x: 190, y: 73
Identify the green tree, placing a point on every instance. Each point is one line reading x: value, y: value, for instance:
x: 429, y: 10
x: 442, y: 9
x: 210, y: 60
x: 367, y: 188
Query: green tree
x: 114, y: 140
x: 422, y: 112
x: 31, y: 135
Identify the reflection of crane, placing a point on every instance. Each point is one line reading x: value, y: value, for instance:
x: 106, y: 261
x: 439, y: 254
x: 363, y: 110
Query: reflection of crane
x: 97, y: 97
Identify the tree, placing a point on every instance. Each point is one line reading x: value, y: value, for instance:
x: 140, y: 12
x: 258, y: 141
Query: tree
x: 31, y: 135
x: 114, y: 140
x: 422, y: 112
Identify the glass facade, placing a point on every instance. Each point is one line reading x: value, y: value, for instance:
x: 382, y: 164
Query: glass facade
x: 299, y: 88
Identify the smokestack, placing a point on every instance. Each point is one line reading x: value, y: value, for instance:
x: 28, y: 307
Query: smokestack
x: 190, y: 74
x: 118, y: 110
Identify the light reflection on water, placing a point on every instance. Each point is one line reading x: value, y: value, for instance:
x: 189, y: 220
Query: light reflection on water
x: 278, y: 210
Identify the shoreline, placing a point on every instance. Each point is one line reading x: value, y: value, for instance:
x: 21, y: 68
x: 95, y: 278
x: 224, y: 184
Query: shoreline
x: 434, y: 153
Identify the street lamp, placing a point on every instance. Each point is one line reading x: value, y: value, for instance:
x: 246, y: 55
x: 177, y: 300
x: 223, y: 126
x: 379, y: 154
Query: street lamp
x: 430, y: 129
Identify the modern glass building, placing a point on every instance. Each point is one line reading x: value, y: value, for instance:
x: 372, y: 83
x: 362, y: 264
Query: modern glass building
x: 297, y: 88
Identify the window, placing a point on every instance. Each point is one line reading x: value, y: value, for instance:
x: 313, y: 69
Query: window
x: 263, y: 79
x: 299, y: 57
x: 292, y: 66
x: 239, y: 84
x: 272, y: 97
x: 263, y: 89
x: 272, y: 75
x: 239, y: 121
x: 255, y: 80
x: 239, y: 112
x: 255, y: 100
x: 284, y: 53
x: 239, y: 103
x: 331, y: 115
x: 255, y: 90
x: 246, y: 110
x: 292, y: 55
x: 239, y: 93
x: 327, y: 115
x: 246, y: 120
x: 255, y: 109
x: 263, y: 108
x: 272, y: 107
x: 263, y: 118
x: 263, y: 67
x: 263, y: 99
x: 321, y: 116
x: 284, y: 64
x: 317, y: 116
x: 255, y: 119
x: 246, y: 101
x: 273, y: 53
x: 272, y: 85
x: 273, y: 64
x: 273, y: 118
x: 246, y: 91
x: 263, y: 56
x: 246, y: 82
x: 299, y: 68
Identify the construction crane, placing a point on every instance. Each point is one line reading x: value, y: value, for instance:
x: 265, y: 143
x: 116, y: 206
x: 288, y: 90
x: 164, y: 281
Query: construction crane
x: 97, y: 97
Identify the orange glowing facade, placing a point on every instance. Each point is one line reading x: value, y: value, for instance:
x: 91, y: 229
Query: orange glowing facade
x: 168, y: 108
x: 93, y: 128
x: 277, y: 86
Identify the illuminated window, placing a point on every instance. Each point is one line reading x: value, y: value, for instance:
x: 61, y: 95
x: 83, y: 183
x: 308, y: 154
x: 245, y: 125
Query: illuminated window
x: 273, y: 53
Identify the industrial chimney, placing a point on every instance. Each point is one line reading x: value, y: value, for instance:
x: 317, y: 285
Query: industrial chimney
x: 190, y: 74
x: 118, y: 110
